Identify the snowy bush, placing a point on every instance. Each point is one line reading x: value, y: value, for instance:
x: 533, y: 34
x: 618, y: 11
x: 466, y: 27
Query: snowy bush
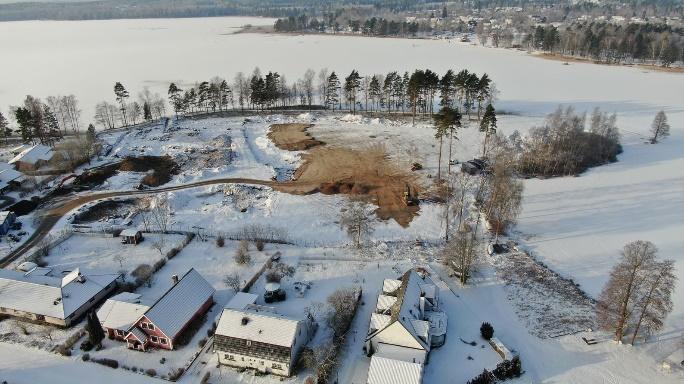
x: 242, y: 253
x: 151, y: 372
x: 259, y: 244
x: 85, y: 357
x: 220, y: 241
x: 508, y: 369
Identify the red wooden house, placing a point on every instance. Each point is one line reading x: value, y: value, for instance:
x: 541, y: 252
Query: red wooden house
x: 163, y: 322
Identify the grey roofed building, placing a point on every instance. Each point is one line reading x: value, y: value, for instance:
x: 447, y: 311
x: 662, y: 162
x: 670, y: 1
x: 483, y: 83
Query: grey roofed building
x: 180, y: 303
x: 39, y: 295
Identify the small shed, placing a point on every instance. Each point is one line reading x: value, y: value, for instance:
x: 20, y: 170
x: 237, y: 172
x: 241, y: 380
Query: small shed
x: 7, y: 218
x: 131, y: 236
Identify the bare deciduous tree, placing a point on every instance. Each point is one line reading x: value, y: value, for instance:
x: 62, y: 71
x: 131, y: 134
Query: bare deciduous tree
x: 638, y: 293
x: 460, y: 253
x: 242, y: 253
x: 161, y: 213
x: 358, y: 220
x: 233, y: 281
x: 660, y: 127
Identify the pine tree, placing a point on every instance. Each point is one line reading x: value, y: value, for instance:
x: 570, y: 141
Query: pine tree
x: 175, y: 97
x: 333, y: 96
x: 94, y: 329
x: 488, y: 126
x: 660, y: 127
x: 5, y: 131
x: 147, y: 111
x: 374, y: 91
x: 121, y: 95
x: 351, y: 88
x: 446, y: 120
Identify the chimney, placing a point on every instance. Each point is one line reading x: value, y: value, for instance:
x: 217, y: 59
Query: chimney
x: 174, y: 279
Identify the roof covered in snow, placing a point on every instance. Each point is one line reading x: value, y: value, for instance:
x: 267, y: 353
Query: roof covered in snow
x: 47, y: 295
x: 241, y: 300
x: 407, y: 308
x: 389, y: 371
x: 180, y: 303
x: 129, y: 232
x: 258, y: 325
x: 34, y: 154
x: 4, y: 215
x: 121, y: 311
x: 7, y: 176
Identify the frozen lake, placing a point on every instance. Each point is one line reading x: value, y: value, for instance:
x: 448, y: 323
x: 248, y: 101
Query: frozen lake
x: 86, y: 58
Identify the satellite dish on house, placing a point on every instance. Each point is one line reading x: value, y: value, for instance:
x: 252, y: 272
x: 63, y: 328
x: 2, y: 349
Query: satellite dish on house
x: 272, y: 287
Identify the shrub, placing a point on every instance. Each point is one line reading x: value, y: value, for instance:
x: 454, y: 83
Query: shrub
x: 162, y: 360
x: 242, y: 254
x: 487, y: 331
x: 111, y: 363
x: 508, y: 369
x: 151, y: 372
x: 273, y: 277
x: 259, y: 245
x: 85, y: 357
x: 86, y: 345
x: 176, y: 374
x: 173, y: 252
x: 485, y: 377
x: 220, y: 242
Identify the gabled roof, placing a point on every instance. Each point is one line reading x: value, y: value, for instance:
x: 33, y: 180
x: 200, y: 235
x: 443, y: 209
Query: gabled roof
x: 379, y: 321
x: 129, y: 232
x: 121, y: 311
x: 47, y: 295
x: 258, y: 325
x: 406, y: 309
x: 34, y: 154
x: 180, y: 303
x: 138, y: 334
x: 390, y: 285
x: 385, y: 303
x: 389, y: 371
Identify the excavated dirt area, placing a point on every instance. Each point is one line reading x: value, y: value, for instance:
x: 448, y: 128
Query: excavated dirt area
x: 367, y: 174
x: 292, y: 137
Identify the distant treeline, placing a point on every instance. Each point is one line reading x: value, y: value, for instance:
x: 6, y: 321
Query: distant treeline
x: 136, y: 9
x: 612, y: 43
x: 374, y: 26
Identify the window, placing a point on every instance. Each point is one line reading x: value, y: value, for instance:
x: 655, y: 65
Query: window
x: 150, y: 326
x: 230, y: 357
x: 119, y: 332
x: 162, y: 340
x: 249, y: 343
x: 155, y: 339
x: 261, y: 362
x: 276, y: 366
x: 143, y: 325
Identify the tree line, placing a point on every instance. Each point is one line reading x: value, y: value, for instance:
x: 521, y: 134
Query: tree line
x: 41, y: 121
x: 611, y: 43
x: 415, y: 93
x: 371, y: 26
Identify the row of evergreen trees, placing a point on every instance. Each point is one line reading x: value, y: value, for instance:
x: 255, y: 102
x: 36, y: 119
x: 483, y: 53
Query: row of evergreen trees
x: 416, y: 93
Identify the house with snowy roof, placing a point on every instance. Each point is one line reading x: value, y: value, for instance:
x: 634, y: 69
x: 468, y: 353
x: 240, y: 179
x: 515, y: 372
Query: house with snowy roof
x: 42, y: 294
x: 32, y: 158
x: 257, y: 337
x: 390, y: 371
x: 407, y: 322
x: 9, y: 177
x: 159, y: 325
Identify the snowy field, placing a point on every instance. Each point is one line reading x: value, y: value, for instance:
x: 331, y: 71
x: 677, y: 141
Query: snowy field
x: 575, y: 225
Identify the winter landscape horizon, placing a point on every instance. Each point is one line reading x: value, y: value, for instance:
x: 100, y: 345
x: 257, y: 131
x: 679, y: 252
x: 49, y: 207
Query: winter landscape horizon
x: 368, y: 195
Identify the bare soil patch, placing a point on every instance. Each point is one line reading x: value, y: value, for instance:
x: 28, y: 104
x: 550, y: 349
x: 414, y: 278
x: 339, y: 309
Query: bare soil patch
x: 367, y: 174
x: 292, y: 137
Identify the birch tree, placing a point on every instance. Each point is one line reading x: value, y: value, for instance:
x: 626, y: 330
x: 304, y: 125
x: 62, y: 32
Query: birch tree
x: 357, y: 219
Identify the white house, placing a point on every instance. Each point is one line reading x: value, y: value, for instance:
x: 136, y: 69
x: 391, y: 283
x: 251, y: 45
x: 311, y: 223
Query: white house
x: 258, y: 338
x: 406, y: 322
x: 41, y: 295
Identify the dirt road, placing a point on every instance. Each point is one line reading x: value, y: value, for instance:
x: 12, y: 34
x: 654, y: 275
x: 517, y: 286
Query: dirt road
x: 55, y: 213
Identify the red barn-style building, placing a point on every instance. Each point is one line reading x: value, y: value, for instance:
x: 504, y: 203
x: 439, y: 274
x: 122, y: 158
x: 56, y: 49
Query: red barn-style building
x: 159, y: 325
